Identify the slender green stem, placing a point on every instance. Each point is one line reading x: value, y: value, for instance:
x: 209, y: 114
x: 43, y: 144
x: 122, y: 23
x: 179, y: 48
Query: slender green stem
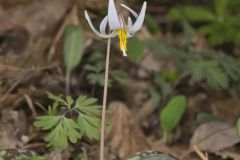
x: 67, y: 82
x: 165, y: 137
x: 105, y: 100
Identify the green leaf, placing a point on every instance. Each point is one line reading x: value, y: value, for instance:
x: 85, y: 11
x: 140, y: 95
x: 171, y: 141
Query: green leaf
x: 172, y: 113
x: 230, y: 65
x: 73, y: 46
x: 188, y: 33
x: 221, y: 8
x: 83, y: 101
x: 69, y: 100
x: 152, y: 24
x: 56, y: 98
x: 47, y: 122
x: 119, y: 76
x: 52, y: 110
x: 135, y: 49
x: 205, y: 118
x: 238, y: 127
x: 70, y: 128
x: 191, y: 13
x: 57, y: 138
x: 210, y: 71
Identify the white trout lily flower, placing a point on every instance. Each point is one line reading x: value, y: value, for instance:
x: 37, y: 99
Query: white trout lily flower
x: 117, y: 25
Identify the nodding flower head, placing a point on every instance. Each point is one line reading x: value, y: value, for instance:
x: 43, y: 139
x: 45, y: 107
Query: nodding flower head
x: 117, y: 25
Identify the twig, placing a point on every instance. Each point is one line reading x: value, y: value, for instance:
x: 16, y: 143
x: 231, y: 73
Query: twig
x: 200, y: 153
x: 104, y: 100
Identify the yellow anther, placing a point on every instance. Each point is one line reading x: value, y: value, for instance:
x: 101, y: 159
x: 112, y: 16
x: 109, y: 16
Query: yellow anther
x: 122, y: 34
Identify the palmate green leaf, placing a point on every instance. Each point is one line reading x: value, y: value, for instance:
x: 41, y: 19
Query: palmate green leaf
x: 52, y: 110
x: 172, y: 113
x: 91, y: 110
x: 67, y: 129
x: 92, y: 132
x: 210, y: 71
x: 57, y: 138
x: 56, y: 98
x: 83, y: 101
x: 69, y: 101
x: 97, y: 78
x: 71, y: 129
x: 73, y: 46
x: 217, y: 79
x: 119, y: 76
x: 47, y: 122
x: 230, y: 65
x: 135, y: 49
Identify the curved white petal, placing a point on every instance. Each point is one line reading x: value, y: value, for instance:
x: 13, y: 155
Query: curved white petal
x: 139, y: 22
x: 129, y: 35
x: 129, y: 22
x: 103, y: 25
x: 113, y: 34
x: 130, y: 10
x: 114, y: 21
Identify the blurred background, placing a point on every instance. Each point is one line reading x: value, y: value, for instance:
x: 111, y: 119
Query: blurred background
x: 178, y: 86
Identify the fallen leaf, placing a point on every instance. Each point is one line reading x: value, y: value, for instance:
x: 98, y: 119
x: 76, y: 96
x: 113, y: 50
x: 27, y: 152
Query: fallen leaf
x: 215, y: 136
x: 125, y: 136
x: 11, y: 129
x: 228, y: 110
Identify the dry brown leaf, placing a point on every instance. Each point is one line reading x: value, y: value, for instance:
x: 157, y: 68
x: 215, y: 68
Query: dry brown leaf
x: 11, y: 129
x: 215, y: 136
x: 228, y: 109
x: 37, y: 17
x: 226, y: 154
x: 145, y: 111
x: 125, y: 136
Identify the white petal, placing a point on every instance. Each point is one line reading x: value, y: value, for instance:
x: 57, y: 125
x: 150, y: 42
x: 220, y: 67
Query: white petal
x: 114, y: 21
x: 129, y: 22
x: 129, y: 35
x: 130, y: 10
x: 139, y: 22
x: 103, y: 25
x: 113, y: 34
x: 124, y: 53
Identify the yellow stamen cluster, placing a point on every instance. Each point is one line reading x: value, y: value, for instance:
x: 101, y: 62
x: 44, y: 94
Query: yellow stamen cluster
x: 122, y: 39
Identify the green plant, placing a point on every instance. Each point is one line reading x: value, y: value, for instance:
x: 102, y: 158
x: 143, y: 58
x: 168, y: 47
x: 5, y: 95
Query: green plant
x: 220, y: 24
x: 95, y: 72
x: 73, y: 50
x: 2, y: 154
x: 218, y: 70
x: 171, y: 114
x: 209, y: 71
x: 68, y: 120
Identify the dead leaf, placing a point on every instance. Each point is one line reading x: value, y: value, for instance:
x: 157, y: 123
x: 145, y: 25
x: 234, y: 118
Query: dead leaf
x: 228, y: 109
x: 145, y: 111
x: 125, y: 136
x: 37, y: 17
x: 11, y: 129
x: 215, y: 136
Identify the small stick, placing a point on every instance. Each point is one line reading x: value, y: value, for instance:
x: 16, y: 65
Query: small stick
x: 104, y: 101
x: 200, y: 153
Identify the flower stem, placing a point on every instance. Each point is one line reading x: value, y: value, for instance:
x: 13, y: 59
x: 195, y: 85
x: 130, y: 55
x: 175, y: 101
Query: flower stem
x: 104, y: 100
